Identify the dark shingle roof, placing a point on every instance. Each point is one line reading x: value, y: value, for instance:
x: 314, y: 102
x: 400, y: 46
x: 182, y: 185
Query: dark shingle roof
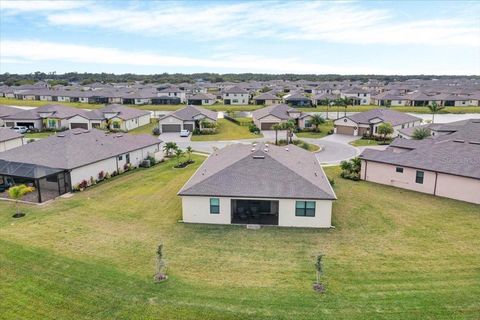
x: 123, y: 112
x: 386, y: 115
x: 235, y: 89
x: 457, y: 153
x: 266, y: 96
x: 8, y: 134
x: 189, y: 112
x: 237, y: 171
x: 280, y: 111
x: 8, y: 111
x: 74, y: 148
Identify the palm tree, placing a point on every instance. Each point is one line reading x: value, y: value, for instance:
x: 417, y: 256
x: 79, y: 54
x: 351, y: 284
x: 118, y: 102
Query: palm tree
x: 420, y: 133
x: 328, y: 104
x: 276, y: 127
x: 317, y: 120
x: 16, y: 193
x: 169, y: 147
x: 289, y: 126
x: 435, y: 108
x: 338, y: 102
x: 385, y: 129
x: 189, y: 151
x: 178, y: 155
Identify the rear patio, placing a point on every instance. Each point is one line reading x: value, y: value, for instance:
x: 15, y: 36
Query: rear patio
x: 252, y: 211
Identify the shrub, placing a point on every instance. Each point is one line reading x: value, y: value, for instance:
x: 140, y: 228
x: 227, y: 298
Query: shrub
x: 152, y: 160
x: 127, y: 166
x: 156, y: 131
x: 92, y: 181
x: 332, y: 181
x: 253, y: 128
x: 101, y: 175
x: 83, y: 184
x: 107, y: 175
x: 351, y: 169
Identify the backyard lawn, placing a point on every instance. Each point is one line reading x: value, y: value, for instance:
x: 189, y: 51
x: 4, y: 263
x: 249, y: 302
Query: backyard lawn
x: 324, y: 129
x: 38, y: 135
x: 227, y: 130
x: 223, y: 107
x: 394, y: 254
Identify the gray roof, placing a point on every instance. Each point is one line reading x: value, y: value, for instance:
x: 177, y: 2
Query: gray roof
x: 244, y: 170
x: 457, y: 153
x: 266, y: 96
x: 8, y: 111
x: 75, y: 148
x: 123, y: 112
x: 297, y: 96
x: 234, y: 89
x: 58, y: 111
x: 386, y: 115
x: 190, y: 112
x: 202, y: 96
x: 280, y: 111
x: 8, y: 134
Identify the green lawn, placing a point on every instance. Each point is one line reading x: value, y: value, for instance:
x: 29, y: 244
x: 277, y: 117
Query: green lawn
x: 227, y: 130
x: 38, y: 135
x: 367, y: 142
x: 147, y: 129
x: 394, y: 254
x: 324, y: 129
x: 223, y: 107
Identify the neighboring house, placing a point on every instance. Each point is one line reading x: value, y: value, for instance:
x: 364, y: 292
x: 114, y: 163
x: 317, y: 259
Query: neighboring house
x: 188, y: 118
x: 10, y: 139
x: 235, y: 95
x: 366, y: 123
x: 6, y: 111
x: 322, y: 99
x: 447, y: 165
x: 358, y: 96
x: 201, y: 99
x: 266, y: 99
x: 52, y: 116
x: 435, y: 129
x: 55, y: 165
x: 267, y: 117
x: 297, y: 99
x: 259, y: 184
x: 122, y: 118
x: 173, y: 92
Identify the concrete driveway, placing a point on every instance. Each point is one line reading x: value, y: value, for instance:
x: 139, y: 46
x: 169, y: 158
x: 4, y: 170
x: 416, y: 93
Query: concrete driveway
x: 173, y: 137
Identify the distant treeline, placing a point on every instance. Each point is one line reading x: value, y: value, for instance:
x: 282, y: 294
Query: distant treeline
x: 87, y: 78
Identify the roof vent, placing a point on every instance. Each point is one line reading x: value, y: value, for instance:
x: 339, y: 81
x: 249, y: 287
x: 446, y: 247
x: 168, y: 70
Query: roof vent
x: 258, y: 157
x: 474, y: 142
x: 476, y: 121
x: 60, y: 135
x: 77, y: 133
x: 286, y: 149
x: 266, y: 145
x: 253, y: 149
x: 266, y: 149
x: 119, y: 135
x: 459, y: 141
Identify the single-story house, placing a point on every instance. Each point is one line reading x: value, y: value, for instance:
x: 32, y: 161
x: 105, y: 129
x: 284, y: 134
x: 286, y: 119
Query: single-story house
x: 57, y: 164
x: 266, y: 117
x: 298, y: 99
x: 122, y: 118
x: 435, y: 129
x: 267, y: 99
x: 235, y: 95
x: 323, y: 98
x: 188, y: 118
x: 259, y: 184
x: 10, y: 139
x: 366, y: 123
x: 201, y: 99
x: 446, y: 165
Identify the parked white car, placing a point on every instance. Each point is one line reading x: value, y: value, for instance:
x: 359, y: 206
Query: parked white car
x: 184, y: 133
x: 20, y: 129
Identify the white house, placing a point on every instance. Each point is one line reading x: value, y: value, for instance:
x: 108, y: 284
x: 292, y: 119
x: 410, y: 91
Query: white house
x: 10, y: 139
x: 259, y: 184
x: 235, y: 95
x: 188, y: 118
x: 57, y: 164
x: 173, y: 92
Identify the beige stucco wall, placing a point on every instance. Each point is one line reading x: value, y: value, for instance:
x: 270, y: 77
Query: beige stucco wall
x: 449, y: 186
x: 10, y: 144
x: 267, y: 119
x: 242, y: 98
x: 460, y: 188
x: 197, y: 210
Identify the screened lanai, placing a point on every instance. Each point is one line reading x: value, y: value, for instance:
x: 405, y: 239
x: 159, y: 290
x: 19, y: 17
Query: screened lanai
x: 48, y: 182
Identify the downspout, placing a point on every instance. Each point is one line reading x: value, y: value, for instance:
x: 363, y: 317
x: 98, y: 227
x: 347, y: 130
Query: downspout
x: 38, y: 191
x: 366, y: 166
x: 435, y: 187
x: 116, y: 160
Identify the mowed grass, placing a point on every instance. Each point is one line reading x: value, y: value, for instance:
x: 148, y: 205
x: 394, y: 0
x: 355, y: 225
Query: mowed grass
x: 368, y: 142
x: 394, y: 254
x: 227, y: 130
x: 38, y: 135
x: 324, y: 129
x: 146, y: 129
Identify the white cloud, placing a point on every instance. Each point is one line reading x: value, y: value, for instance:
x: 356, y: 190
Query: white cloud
x: 337, y: 22
x: 21, y: 50
x: 15, y: 7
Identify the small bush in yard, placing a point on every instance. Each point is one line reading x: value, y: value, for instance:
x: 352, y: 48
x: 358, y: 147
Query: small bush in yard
x: 161, y: 273
x: 156, y: 131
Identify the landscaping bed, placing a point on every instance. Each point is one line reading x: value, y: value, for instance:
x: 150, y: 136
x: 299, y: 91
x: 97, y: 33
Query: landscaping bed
x: 227, y: 130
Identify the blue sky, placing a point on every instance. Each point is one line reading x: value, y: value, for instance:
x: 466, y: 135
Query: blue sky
x: 346, y: 37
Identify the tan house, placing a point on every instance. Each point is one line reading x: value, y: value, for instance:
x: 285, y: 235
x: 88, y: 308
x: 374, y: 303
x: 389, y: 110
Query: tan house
x: 267, y: 117
x: 446, y: 165
x: 366, y: 123
x: 259, y: 184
